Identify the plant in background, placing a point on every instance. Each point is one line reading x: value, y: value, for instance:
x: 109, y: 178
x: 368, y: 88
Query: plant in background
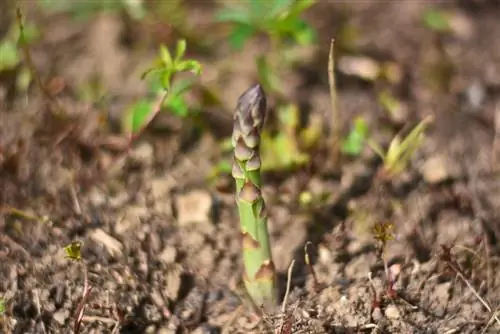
x: 354, y: 142
x: 84, y: 9
x: 396, y: 158
x: 280, y: 21
x: 259, y: 274
x: 169, y: 94
x: 10, y: 54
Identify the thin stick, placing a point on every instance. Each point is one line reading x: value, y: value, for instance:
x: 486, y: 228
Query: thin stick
x: 335, y: 116
x: 309, y: 265
x: 288, y: 284
x: 83, y: 302
x: 485, y: 304
x: 56, y: 108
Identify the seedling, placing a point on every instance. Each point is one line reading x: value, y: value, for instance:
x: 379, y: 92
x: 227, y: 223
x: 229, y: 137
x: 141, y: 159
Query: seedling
x: 11, y: 55
x: 398, y: 155
x: 355, y: 140
x: 169, y: 94
x: 85, y: 9
x: 73, y: 253
x: 279, y: 20
x: 437, y: 20
x: 259, y: 274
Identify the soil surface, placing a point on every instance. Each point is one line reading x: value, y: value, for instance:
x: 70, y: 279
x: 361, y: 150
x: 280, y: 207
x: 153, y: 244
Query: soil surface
x: 160, y: 238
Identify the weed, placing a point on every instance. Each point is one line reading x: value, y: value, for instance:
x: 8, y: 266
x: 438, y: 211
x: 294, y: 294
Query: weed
x: 280, y: 21
x: 398, y: 155
x: 168, y: 93
x: 85, y: 9
x: 10, y: 57
x: 436, y: 20
x: 354, y: 142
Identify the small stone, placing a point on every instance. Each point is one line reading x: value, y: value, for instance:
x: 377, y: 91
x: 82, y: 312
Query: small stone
x: 193, y: 207
x: 377, y: 314
x: 61, y: 316
x: 143, y: 154
x: 131, y: 219
x: 359, y: 66
x: 112, y: 246
x: 437, y: 169
x: 173, y: 281
x: 168, y: 255
x: 392, y: 312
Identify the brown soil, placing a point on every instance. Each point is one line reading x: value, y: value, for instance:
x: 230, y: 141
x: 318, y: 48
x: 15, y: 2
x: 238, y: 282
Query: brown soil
x: 161, y: 242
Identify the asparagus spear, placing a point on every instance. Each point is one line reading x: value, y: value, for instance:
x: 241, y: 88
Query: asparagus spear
x: 259, y: 276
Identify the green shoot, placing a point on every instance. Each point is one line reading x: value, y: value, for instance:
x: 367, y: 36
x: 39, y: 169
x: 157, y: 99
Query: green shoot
x: 73, y: 251
x: 280, y: 19
x: 436, y: 20
x: 400, y: 151
x: 355, y: 141
x: 84, y: 9
x: 259, y: 275
x: 169, y: 93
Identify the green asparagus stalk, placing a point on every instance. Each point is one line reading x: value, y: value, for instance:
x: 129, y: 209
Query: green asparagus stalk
x: 259, y: 275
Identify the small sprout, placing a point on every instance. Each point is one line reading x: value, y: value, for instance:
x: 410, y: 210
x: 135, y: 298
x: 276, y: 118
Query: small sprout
x: 167, y: 67
x: 169, y: 94
x: 436, y: 20
x: 2, y: 306
x: 278, y: 19
x: 383, y: 232
x: 400, y: 151
x: 354, y: 143
x: 283, y: 150
x: 73, y: 251
x: 84, y: 9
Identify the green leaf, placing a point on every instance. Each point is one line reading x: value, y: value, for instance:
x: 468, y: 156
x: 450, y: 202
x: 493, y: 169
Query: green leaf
x: 140, y: 115
x: 240, y: 34
x: 304, y: 34
x: 9, y: 57
x: 73, y: 251
x: 178, y: 106
x: 436, y: 20
x: 192, y: 66
x: 165, y: 56
x: 353, y: 144
x: 238, y: 15
x: 180, y: 49
x: 2, y: 306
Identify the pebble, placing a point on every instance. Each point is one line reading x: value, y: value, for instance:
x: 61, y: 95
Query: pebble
x: 112, y: 246
x: 437, y: 169
x: 194, y: 207
x: 61, y: 316
x: 392, y: 312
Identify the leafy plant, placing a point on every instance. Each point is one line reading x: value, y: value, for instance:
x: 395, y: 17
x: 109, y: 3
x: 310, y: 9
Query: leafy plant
x: 85, y: 9
x: 355, y: 140
x: 436, y: 20
x: 400, y: 151
x: 10, y: 54
x: 168, y: 93
x: 280, y: 21
x: 260, y: 276
x: 282, y: 150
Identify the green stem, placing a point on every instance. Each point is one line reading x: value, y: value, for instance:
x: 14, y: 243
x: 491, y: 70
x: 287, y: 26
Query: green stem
x: 259, y: 276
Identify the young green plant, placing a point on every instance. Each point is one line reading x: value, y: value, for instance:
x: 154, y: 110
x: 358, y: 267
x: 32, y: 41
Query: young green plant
x: 168, y: 92
x: 280, y: 21
x: 396, y: 158
x: 259, y: 274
